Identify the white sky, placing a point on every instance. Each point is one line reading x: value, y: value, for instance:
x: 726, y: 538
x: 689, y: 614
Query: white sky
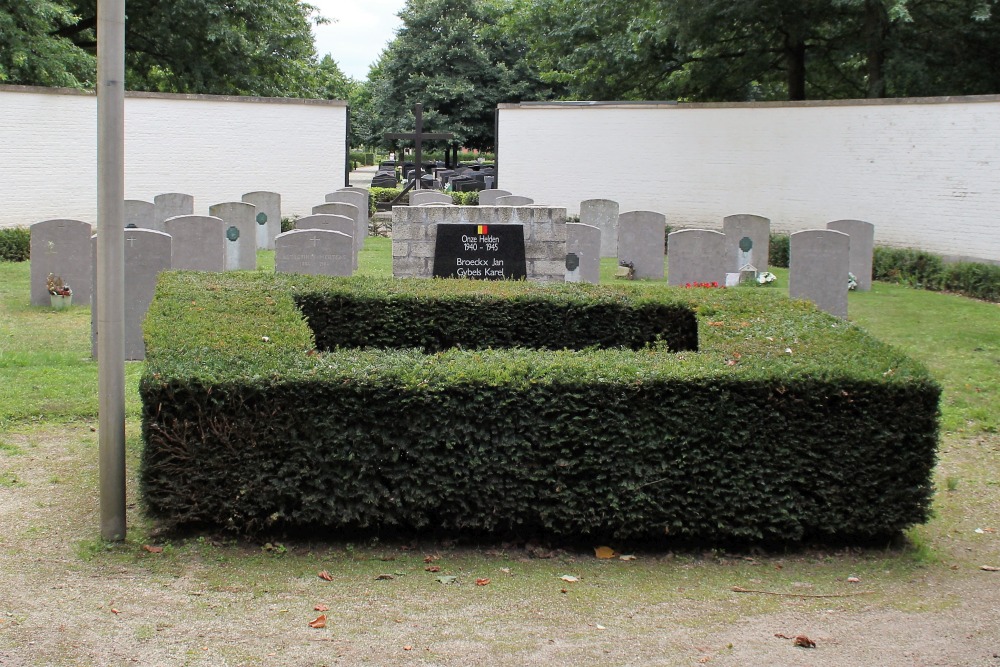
x: 357, y: 33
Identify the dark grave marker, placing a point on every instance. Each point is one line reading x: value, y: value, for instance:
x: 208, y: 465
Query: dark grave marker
x: 480, y: 252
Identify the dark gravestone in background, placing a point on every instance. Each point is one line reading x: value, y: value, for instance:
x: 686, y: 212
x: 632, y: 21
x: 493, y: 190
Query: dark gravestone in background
x: 480, y: 252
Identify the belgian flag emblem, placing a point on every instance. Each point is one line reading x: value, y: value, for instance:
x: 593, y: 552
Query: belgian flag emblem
x: 483, y: 229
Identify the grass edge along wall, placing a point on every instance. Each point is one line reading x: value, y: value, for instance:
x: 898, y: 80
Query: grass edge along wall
x: 786, y: 424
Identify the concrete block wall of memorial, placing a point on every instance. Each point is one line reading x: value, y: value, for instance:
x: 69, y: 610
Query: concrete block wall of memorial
x: 212, y: 147
x: 414, y: 236
x: 925, y: 172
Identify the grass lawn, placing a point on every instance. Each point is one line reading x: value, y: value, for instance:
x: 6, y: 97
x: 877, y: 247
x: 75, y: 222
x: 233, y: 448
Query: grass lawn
x: 70, y: 599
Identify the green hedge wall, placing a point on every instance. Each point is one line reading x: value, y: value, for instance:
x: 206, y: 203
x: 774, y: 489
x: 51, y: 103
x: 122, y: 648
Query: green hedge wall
x: 928, y: 271
x: 787, y: 424
x: 15, y: 244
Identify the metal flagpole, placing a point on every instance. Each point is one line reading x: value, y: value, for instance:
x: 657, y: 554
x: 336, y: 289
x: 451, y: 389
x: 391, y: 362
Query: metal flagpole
x: 111, y: 264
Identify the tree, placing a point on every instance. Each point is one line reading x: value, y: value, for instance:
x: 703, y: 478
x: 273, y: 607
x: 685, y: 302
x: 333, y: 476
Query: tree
x: 34, y: 53
x: 452, y: 56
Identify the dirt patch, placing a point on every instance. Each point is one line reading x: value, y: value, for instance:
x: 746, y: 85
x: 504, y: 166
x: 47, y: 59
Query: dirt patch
x: 69, y: 599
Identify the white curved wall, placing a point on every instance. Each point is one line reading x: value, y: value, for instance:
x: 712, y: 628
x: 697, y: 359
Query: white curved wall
x: 925, y: 172
x: 214, y: 148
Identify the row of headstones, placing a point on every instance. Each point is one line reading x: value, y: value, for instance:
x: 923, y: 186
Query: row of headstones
x: 820, y: 259
x: 490, y: 197
x: 326, y: 242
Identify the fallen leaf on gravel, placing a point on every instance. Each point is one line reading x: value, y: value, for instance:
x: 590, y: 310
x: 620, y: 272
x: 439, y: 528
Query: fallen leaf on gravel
x: 384, y: 577
x: 430, y: 559
x: 407, y: 648
x: 804, y: 642
x: 569, y: 577
x: 989, y: 568
x: 604, y: 552
x: 115, y: 611
x: 600, y: 627
x: 563, y: 590
x: 320, y: 622
x: 482, y: 582
x: 853, y: 580
x: 321, y: 607
x: 446, y: 579
x: 433, y: 568
x: 152, y: 550
x: 704, y: 659
x: 325, y: 576
x: 627, y: 557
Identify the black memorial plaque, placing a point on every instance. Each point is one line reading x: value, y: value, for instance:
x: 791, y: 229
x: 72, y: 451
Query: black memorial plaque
x: 480, y: 252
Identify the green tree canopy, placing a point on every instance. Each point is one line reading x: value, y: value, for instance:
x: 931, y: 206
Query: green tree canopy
x: 452, y: 56
x: 33, y: 53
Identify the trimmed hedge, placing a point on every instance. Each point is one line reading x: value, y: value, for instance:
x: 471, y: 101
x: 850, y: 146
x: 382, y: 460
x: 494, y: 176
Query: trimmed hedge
x: 787, y: 424
x: 15, y: 244
x: 777, y: 251
x: 928, y: 271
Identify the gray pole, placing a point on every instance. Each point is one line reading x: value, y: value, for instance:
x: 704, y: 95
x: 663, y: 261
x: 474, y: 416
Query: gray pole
x: 111, y: 264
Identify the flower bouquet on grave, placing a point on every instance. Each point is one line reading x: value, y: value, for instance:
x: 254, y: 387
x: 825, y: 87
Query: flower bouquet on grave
x: 61, y: 293
x: 852, y: 281
x: 625, y: 270
x: 765, y: 278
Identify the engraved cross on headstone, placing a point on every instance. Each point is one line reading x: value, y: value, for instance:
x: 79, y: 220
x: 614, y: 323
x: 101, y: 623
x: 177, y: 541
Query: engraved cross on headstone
x: 418, y: 137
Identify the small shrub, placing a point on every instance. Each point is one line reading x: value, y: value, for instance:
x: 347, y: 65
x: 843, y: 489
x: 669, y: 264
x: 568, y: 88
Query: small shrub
x: 777, y: 253
x: 465, y: 198
x: 288, y: 223
x: 15, y: 244
x: 381, y: 196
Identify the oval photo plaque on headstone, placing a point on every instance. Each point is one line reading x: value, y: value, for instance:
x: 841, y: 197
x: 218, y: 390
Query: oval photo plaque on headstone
x: 233, y: 233
x: 746, y: 243
x: 572, y: 261
x: 262, y: 218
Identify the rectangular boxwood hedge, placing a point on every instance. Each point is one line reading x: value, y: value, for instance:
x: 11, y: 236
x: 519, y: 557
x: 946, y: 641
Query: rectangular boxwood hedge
x: 441, y: 406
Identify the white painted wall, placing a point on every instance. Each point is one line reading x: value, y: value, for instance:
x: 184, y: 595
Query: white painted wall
x: 925, y: 172
x: 214, y: 148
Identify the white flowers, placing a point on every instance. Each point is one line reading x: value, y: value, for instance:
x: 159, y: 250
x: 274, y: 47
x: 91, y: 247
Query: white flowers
x: 766, y: 278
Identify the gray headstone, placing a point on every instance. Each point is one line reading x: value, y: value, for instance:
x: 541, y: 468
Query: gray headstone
x: 62, y: 248
x: 603, y: 214
x: 641, y: 237
x: 198, y: 242
x: 489, y: 197
x: 818, y: 261
x: 314, y: 252
x: 147, y: 253
x: 240, y: 234
x: 354, y: 188
x: 696, y: 256
x: 862, y: 248
x: 420, y: 197
x: 745, y: 226
x: 513, y: 200
x: 268, y: 217
x: 358, y: 199
x: 584, y: 241
x: 139, y: 213
x: 172, y: 204
x: 332, y: 223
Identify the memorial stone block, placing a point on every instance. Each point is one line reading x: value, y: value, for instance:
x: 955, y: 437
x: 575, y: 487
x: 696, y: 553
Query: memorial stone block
x: 603, y: 214
x: 584, y: 241
x: 62, y: 248
x: 268, y: 216
x: 172, y: 204
x: 147, y: 253
x: 240, y: 233
x: 641, y: 237
x: 818, y: 264
x: 738, y: 228
x: 696, y: 256
x: 198, y: 242
x: 314, y: 252
x: 142, y: 214
x: 862, y: 249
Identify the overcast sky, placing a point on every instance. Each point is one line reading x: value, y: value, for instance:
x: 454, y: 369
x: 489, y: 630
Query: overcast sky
x: 357, y: 32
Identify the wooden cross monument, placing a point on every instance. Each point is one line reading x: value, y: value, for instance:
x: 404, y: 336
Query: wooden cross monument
x: 418, y: 137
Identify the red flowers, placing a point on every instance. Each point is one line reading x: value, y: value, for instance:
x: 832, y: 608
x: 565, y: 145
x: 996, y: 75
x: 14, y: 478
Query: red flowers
x: 714, y: 283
